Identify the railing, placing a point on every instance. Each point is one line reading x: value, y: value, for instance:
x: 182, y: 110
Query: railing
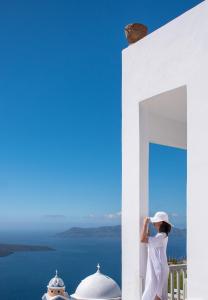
x: 177, y: 282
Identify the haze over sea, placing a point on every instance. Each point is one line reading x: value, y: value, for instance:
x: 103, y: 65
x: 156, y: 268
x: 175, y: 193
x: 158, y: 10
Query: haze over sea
x: 25, y: 275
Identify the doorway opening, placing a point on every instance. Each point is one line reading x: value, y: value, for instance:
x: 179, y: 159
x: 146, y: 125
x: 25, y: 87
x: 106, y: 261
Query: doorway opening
x: 163, y: 168
x: 167, y: 192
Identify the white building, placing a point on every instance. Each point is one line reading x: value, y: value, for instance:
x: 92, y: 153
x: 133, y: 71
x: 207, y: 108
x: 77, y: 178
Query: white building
x: 56, y: 289
x: 97, y: 287
x: 165, y: 101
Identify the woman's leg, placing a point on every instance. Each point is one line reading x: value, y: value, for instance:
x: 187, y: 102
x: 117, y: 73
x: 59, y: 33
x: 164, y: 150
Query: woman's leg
x: 157, y: 298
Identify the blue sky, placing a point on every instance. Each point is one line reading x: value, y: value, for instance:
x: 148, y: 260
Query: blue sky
x: 60, y: 112
x: 167, y: 182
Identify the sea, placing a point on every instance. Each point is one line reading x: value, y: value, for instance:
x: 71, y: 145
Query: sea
x: 25, y: 275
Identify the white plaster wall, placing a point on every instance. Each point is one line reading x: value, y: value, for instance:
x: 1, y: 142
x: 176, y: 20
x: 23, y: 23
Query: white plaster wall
x: 171, y: 57
x: 168, y: 132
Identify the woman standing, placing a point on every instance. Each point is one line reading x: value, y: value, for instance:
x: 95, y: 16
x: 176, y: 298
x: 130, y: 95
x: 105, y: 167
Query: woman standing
x: 156, y: 281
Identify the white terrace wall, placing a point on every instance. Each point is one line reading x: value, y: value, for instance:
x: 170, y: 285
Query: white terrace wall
x: 175, y: 56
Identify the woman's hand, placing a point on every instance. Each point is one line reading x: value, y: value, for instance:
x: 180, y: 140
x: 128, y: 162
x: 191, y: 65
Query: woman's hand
x: 146, y: 220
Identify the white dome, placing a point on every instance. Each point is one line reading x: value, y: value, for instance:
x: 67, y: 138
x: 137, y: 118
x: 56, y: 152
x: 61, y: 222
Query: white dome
x: 97, y: 287
x: 56, y: 282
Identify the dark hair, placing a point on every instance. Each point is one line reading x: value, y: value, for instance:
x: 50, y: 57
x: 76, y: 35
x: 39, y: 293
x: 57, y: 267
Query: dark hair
x: 165, y: 227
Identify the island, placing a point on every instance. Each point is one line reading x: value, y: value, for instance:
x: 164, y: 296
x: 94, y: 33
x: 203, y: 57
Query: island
x: 95, y: 232
x: 8, y: 249
x: 111, y: 232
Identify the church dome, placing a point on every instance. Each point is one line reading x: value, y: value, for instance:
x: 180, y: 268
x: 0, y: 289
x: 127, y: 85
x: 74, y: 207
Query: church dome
x: 97, y: 286
x: 56, y: 282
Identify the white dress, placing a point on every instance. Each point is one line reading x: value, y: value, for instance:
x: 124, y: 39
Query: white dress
x: 156, y: 281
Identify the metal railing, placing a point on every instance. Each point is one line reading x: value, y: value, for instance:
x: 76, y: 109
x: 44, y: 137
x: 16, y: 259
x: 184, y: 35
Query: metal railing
x: 177, y: 282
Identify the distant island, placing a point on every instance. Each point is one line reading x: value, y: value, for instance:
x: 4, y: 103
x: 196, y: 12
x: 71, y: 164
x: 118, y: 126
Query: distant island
x: 8, y: 249
x: 109, y: 231
x: 97, y: 232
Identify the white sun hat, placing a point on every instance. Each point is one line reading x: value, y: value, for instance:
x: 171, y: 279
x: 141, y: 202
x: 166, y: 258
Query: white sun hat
x: 160, y: 216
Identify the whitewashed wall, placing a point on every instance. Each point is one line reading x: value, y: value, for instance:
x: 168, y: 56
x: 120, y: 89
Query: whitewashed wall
x: 174, y: 56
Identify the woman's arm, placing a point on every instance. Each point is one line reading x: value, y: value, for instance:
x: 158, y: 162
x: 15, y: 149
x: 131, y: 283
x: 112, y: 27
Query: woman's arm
x: 145, y: 231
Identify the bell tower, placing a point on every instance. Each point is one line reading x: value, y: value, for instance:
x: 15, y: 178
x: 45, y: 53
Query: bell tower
x: 56, y: 289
